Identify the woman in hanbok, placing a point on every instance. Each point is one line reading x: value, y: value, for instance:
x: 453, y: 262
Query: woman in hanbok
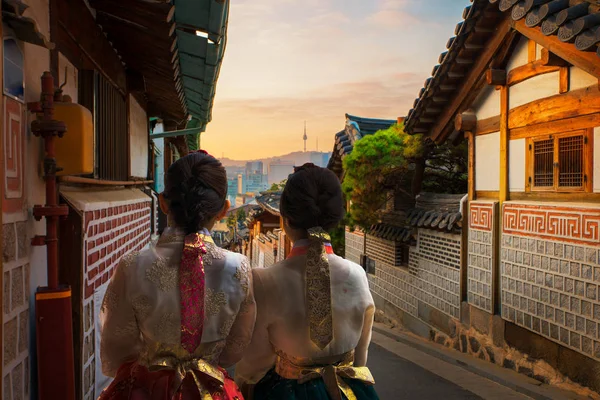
x: 314, y: 309
x: 176, y: 315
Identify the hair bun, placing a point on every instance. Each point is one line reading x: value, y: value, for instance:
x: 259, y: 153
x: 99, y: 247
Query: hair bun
x: 312, y: 197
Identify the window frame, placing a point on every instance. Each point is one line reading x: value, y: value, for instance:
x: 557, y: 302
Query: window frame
x: 588, y: 158
x: 19, y: 47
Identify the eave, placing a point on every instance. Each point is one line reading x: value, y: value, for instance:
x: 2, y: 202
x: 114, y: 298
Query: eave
x: 176, y: 48
x: 485, y: 38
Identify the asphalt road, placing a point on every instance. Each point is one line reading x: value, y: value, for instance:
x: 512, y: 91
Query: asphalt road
x: 399, y: 379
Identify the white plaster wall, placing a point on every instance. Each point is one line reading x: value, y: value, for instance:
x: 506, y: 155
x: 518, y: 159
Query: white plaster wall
x: 68, y: 70
x: 138, y: 139
x: 520, y: 55
x: 487, y: 103
x: 532, y: 89
x: 516, y: 165
x: 487, y: 164
x: 580, y: 79
x: 597, y: 159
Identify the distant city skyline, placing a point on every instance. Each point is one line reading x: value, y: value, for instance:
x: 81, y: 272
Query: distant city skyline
x: 315, y: 60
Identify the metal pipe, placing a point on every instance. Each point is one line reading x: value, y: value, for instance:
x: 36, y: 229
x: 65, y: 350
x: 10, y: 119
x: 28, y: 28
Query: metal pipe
x: 100, y: 182
x: 54, y: 328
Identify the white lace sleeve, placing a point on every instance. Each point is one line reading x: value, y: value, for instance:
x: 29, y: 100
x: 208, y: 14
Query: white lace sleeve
x: 241, y: 331
x: 362, y: 348
x: 259, y: 356
x: 120, y: 340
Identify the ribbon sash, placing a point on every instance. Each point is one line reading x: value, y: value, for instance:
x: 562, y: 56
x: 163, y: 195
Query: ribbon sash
x: 331, y: 374
x: 191, y: 287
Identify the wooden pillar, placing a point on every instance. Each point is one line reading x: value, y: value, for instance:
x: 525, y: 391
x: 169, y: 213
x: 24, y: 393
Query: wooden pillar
x: 467, y: 122
x: 504, y: 138
x: 471, y: 178
x: 2, y: 133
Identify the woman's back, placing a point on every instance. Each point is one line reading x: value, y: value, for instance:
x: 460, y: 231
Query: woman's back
x: 282, y: 289
x: 146, y: 290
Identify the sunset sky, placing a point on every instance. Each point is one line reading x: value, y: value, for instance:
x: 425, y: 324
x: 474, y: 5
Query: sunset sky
x: 293, y: 60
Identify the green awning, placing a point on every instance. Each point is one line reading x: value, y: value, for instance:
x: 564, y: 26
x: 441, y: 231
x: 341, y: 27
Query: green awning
x: 201, y: 41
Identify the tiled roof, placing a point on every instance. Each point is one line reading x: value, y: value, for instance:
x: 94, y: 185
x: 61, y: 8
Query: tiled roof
x: 269, y: 201
x: 392, y: 233
x: 448, y: 221
x: 437, y: 211
x: 575, y: 21
x: 356, y: 128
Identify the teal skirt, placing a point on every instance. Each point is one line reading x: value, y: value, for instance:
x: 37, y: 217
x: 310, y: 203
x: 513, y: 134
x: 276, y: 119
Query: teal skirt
x: 274, y: 387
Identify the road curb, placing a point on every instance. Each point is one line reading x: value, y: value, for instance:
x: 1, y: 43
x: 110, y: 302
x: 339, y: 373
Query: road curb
x: 508, y: 378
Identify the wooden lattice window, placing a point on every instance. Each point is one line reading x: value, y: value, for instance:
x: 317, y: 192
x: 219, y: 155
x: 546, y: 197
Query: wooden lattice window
x: 561, y: 162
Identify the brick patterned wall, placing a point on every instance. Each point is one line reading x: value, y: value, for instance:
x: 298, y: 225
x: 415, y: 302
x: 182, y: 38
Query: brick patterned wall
x: 431, y: 280
x: 110, y: 233
x: 383, y: 251
x: 255, y: 253
x: 481, y: 254
x: 550, y: 272
x: 354, y: 246
x: 281, y: 246
x: 15, y: 295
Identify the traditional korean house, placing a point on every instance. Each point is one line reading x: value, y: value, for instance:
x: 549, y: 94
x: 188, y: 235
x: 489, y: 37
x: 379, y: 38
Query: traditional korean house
x: 117, y: 66
x: 355, y: 129
x: 520, y: 81
x: 267, y: 242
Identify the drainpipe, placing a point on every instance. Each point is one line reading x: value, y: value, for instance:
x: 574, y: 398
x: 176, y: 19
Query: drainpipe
x: 54, y: 325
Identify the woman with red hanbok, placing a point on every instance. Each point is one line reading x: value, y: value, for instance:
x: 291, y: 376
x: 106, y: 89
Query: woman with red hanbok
x: 176, y: 315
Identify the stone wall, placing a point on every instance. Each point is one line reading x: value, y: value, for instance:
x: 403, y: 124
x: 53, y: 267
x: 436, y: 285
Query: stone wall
x: 355, y: 246
x: 481, y: 254
x: 431, y: 281
x: 15, y: 296
x: 550, y: 272
x: 384, y: 251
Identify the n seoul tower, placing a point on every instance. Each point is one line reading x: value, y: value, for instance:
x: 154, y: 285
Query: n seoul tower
x: 305, y: 137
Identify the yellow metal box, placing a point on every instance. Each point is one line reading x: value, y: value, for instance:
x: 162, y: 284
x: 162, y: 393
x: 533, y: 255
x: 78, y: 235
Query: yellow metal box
x: 75, y: 150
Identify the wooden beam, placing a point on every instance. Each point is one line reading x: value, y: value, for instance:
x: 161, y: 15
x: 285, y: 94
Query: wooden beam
x: 528, y: 71
x: 556, y: 126
x: 531, y: 51
x: 471, y: 177
x: 488, y: 125
x: 466, y: 121
x: 586, y: 61
x: 573, y: 104
x: 504, y: 134
x: 550, y: 59
x: 495, y: 77
x: 564, y: 81
x: 466, y: 93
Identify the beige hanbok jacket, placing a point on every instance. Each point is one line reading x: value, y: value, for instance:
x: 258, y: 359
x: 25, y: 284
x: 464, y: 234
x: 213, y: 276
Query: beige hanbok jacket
x: 141, y: 317
x: 282, y: 324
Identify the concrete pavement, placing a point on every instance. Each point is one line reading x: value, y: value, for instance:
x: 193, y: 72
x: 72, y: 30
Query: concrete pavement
x: 405, y: 368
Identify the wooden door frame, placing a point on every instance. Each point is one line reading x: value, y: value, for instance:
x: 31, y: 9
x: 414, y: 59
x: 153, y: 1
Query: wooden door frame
x: 2, y: 183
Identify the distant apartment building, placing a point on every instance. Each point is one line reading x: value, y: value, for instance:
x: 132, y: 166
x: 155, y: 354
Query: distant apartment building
x: 279, y: 171
x: 251, y: 183
x: 254, y: 167
x: 232, y: 189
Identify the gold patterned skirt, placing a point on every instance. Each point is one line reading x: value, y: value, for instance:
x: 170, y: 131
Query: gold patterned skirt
x: 192, y: 380
x: 334, y: 378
